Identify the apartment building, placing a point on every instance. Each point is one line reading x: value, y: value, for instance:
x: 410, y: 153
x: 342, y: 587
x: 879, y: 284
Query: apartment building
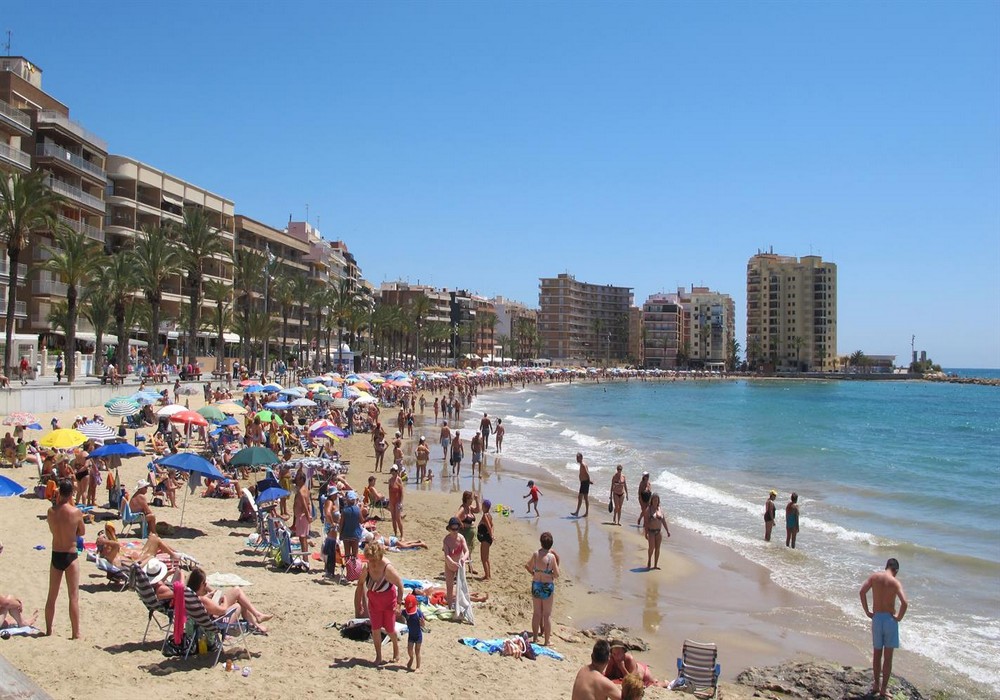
x: 36, y: 133
x: 663, y: 320
x: 139, y: 195
x: 582, y: 322
x: 636, y: 326
x: 404, y: 294
x: 791, y: 312
x: 709, y: 327
x: 517, y: 325
x: 327, y: 265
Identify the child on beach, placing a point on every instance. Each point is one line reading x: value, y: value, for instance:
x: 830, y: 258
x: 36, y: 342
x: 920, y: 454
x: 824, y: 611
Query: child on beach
x: 415, y: 625
x: 532, y: 496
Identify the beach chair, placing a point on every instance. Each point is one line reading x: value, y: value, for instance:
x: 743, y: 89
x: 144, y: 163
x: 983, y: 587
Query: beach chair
x: 156, y: 608
x: 698, y: 668
x: 117, y: 577
x: 304, y: 446
x: 217, y: 630
x: 284, y: 560
x: 129, y: 519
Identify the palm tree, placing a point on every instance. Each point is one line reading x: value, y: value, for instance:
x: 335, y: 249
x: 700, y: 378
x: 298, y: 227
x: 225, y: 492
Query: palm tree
x: 502, y: 340
x: 798, y: 342
x: 301, y: 286
x: 420, y: 308
x: 858, y: 359
x: 197, y: 242
x: 488, y: 321
x: 222, y: 294
x: 319, y: 299
x: 97, y: 309
x: 27, y: 207
x: 73, y: 259
x: 733, y: 354
x: 380, y: 324
x: 283, y: 295
x: 58, y: 318
x: 344, y: 298
x: 117, y: 277
x: 357, y: 321
x: 255, y: 326
x: 248, y: 278
x: 156, y: 261
x: 437, y: 333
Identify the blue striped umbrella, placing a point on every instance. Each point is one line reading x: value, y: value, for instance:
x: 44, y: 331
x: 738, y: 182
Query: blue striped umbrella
x: 122, y: 407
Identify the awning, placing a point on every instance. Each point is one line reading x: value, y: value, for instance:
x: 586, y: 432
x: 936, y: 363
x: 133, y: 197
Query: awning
x: 108, y: 339
x: 173, y: 199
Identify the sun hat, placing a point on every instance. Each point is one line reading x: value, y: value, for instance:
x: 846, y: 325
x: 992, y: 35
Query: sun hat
x: 773, y: 492
x: 141, y: 484
x: 422, y: 438
x: 352, y: 495
x: 454, y: 522
x: 156, y: 570
x: 394, y: 468
x: 616, y: 642
x: 645, y: 473
x: 410, y: 603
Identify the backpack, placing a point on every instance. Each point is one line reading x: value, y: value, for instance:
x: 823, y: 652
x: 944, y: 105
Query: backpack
x: 354, y: 567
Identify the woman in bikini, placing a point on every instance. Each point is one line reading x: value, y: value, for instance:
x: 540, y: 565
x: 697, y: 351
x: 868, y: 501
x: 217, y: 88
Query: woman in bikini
x: 382, y: 588
x: 619, y: 494
x: 456, y: 553
x: 544, y: 569
x: 467, y: 516
x: 484, y: 533
x: 218, y: 602
x: 654, y: 522
x: 622, y: 664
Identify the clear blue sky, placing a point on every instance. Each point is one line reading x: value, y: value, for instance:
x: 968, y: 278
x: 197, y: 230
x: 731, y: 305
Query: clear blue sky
x: 483, y: 145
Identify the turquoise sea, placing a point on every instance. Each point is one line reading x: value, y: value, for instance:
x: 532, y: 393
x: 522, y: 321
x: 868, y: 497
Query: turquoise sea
x: 901, y: 469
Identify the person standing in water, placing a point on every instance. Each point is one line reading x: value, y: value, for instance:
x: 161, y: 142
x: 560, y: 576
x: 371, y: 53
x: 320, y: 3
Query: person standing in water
x: 792, y: 520
x: 769, y: 515
x: 582, y: 498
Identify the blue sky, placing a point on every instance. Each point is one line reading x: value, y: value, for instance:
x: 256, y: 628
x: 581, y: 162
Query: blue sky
x: 484, y: 145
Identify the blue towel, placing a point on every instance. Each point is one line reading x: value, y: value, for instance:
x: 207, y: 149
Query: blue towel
x: 495, y: 646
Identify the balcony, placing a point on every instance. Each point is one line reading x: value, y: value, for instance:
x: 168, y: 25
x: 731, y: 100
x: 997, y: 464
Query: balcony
x: 22, y: 272
x: 14, y: 156
x: 89, y: 231
x: 54, y: 151
x: 75, y: 193
x: 66, y: 124
x: 47, y: 286
x: 20, y: 309
x: 15, y: 119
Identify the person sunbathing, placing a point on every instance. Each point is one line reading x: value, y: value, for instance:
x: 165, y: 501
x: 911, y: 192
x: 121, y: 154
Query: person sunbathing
x: 392, y: 542
x: 218, y: 602
x: 139, y: 504
x: 109, y: 548
x: 9, y: 605
x: 158, y: 443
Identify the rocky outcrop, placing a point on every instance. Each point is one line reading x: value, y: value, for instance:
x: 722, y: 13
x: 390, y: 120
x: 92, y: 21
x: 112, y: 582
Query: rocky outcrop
x: 979, y: 381
x: 820, y: 680
x: 609, y: 631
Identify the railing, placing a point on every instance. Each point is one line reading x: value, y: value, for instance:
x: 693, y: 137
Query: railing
x: 75, y: 192
x: 15, y: 115
x: 22, y: 270
x: 20, y: 308
x: 55, y: 151
x: 50, y: 287
x: 47, y: 116
x: 16, y: 155
x: 86, y: 229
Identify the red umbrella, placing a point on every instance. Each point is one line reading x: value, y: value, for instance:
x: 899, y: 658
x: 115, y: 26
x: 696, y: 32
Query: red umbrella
x: 189, y: 417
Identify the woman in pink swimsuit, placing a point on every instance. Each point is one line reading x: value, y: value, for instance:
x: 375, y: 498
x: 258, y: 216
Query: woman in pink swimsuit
x: 381, y: 585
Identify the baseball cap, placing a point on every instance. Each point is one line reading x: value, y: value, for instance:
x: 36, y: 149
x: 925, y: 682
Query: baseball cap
x: 410, y: 603
x: 352, y: 495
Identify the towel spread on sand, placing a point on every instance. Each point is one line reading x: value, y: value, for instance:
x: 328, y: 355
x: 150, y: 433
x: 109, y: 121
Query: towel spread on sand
x: 495, y: 646
x: 463, y: 601
x: 21, y: 631
x: 218, y: 580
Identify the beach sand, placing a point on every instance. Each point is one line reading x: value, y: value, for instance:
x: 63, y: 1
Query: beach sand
x: 704, y: 592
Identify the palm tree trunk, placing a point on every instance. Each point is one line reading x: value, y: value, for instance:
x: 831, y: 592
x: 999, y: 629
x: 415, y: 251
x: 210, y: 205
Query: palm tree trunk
x: 284, y: 336
x: 71, y: 333
x: 302, y: 314
x: 98, y: 351
x: 122, y: 340
x: 194, y: 316
x: 13, y: 256
x: 154, y: 332
x: 220, y: 351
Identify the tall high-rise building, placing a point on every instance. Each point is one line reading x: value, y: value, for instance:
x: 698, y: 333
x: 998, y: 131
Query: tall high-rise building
x: 663, y: 320
x: 583, y: 322
x: 791, y: 312
x: 709, y: 327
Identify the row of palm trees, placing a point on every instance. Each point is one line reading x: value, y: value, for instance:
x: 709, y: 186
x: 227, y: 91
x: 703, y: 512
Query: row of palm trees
x: 266, y: 294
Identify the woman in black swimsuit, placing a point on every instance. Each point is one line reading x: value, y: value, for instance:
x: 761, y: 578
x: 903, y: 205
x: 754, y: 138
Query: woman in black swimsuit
x: 467, y: 516
x: 484, y: 533
x: 654, y: 522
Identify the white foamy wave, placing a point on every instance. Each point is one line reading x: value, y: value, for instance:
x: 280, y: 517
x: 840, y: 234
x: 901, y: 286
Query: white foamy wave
x: 582, y: 439
x: 530, y: 423
x: 702, y: 492
x: 842, y: 533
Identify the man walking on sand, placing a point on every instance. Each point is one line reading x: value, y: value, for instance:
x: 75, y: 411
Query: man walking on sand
x: 582, y: 498
x: 66, y: 524
x: 792, y: 520
x: 769, y: 515
x: 590, y: 682
x: 885, y: 589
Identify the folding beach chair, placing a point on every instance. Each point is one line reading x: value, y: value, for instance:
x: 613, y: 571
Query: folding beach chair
x: 304, y: 446
x: 117, y: 577
x: 284, y: 560
x: 215, y: 629
x: 156, y: 608
x: 698, y: 667
x: 129, y: 519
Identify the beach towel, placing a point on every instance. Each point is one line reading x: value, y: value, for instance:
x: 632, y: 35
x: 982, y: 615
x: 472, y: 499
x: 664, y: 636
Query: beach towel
x: 463, y: 601
x: 19, y: 631
x: 180, y: 612
x: 218, y: 580
x: 495, y: 646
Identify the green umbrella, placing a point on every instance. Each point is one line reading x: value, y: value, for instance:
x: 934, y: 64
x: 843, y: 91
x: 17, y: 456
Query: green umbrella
x: 266, y: 416
x: 211, y: 413
x: 254, y: 457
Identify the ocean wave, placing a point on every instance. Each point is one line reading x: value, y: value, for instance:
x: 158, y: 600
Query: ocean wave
x: 842, y: 533
x: 530, y: 423
x: 702, y: 492
x: 582, y: 439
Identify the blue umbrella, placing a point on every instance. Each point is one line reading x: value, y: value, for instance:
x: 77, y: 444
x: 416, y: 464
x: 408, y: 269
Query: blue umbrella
x: 9, y: 487
x: 253, y: 389
x: 122, y: 449
x: 33, y: 426
x: 272, y: 387
x: 277, y: 405
x: 144, y: 397
x: 185, y: 461
x: 272, y: 494
x: 226, y: 422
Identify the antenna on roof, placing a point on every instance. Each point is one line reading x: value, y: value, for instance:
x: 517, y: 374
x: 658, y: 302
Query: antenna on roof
x: 307, y: 212
x: 7, y: 45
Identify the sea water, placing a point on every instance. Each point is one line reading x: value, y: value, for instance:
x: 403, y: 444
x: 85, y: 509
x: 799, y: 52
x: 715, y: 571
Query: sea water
x: 903, y: 469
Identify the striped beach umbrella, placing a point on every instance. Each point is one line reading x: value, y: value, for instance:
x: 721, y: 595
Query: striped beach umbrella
x: 98, y: 432
x: 122, y: 407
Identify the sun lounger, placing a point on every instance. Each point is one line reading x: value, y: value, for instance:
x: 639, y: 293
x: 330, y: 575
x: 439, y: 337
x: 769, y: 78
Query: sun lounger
x: 698, y: 668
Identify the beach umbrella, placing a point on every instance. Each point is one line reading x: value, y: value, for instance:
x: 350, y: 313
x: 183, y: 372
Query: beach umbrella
x: 233, y: 409
x: 249, y: 382
x: 272, y: 387
x: 97, y: 431
x: 145, y: 397
x: 212, y: 413
x: 254, y: 457
x: 187, y: 390
x: 302, y: 403
x: 293, y: 392
x: 330, y: 433
x: 33, y: 426
x: 272, y: 494
x: 341, y: 403
x: 266, y: 416
x: 170, y: 410
x: 365, y: 399
x: 120, y: 449
x: 9, y: 487
x: 253, y: 389
x: 189, y: 418
x: 321, y: 423
x: 20, y: 418
x: 228, y: 421
x: 277, y: 405
x: 122, y: 407
x: 63, y: 439
x: 323, y: 398
x: 193, y: 464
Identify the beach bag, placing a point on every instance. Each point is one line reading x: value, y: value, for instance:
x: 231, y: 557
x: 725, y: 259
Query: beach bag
x: 611, y: 505
x: 358, y: 629
x: 353, y: 567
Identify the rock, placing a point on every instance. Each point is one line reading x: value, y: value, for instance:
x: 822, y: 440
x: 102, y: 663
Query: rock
x: 824, y: 681
x: 609, y: 631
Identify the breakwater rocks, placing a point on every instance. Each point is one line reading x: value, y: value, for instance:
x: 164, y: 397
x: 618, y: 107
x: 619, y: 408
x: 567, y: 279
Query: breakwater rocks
x: 942, y: 377
x: 797, y: 679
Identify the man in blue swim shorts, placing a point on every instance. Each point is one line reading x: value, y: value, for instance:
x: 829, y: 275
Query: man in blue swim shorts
x: 885, y: 590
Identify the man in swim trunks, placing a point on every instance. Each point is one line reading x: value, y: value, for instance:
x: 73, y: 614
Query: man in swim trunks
x: 885, y: 588
x: 590, y: 682
x: 302, y: 511
x: 66, y: 524
x: 792, y: 520
x: 585, y: 482
x: 485, y: 428
x: 139, y: 504
x: 769, y: 515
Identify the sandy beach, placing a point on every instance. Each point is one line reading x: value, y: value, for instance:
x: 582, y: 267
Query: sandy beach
x: 704, y: 592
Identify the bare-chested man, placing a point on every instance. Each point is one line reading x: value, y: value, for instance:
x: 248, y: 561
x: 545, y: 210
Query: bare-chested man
x: 885, y: 589
x: 769, y: 515
x: 445, y: 439
x: 66, y: 524
x: 139, y: 504
x: 591, y: 683
x: 302, y: 510
x: 582, y: 498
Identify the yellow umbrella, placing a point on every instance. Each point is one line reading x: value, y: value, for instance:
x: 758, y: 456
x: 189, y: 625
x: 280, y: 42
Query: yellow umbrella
x: 63, y: 439
x: 231, y: 408
x: 317, y: 387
